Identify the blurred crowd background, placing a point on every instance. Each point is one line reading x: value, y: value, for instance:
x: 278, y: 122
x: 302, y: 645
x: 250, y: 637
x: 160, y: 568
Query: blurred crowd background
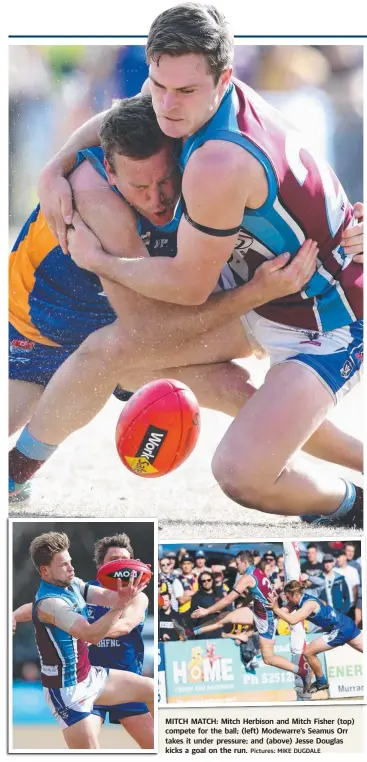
x: 82, y: 536
x: 200, y: 575
x: 55, y: 88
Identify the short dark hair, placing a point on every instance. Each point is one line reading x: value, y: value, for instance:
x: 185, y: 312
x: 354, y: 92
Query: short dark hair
x: 130, y: 128
x: 203, y: 574
x: 312, y: 545
x: 192, y: 28
x: 44, y: 547
x: 245, y: 555
x: 115, y: 541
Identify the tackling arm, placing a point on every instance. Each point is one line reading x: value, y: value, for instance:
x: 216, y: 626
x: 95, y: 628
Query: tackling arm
x: 298, y: 615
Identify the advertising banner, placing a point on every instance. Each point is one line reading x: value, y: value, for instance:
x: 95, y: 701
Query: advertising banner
x: 345, y: 672
x: 210, y: 670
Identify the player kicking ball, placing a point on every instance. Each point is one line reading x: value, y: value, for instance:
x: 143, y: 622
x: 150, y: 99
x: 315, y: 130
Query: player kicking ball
x: 60, y: 616
x: 255, y: 582
x: 338, y: 628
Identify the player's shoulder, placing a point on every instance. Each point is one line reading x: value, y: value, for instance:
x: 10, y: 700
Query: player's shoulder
x: 215, y: 157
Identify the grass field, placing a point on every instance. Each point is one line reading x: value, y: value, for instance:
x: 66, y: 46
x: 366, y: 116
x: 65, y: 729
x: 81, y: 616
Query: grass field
x: 86, y: 478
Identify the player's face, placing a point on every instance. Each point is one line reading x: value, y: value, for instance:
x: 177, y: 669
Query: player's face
x: 241, y: 566
x: 60, y: 571
x: 151, y: 186
x: 115, y: 554
x: 183, y: 93
x: 294, y: 598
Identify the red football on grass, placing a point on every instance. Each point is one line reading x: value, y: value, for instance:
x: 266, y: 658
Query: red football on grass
x: 122, y: 568
x: 158, y: 428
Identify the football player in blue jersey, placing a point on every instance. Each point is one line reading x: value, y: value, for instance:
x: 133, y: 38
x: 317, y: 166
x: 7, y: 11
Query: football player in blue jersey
x: 240, y: 155
x: 71, y: 684
x: 54, y: 304
x: 122, y: 647
x: 338, y: 628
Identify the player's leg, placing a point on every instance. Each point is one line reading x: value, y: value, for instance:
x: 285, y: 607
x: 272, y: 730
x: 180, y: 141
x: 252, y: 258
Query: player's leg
x: 357, y: 642
x: 255, y: 464
x: 141, y: 728
x: 272, y: 659
x: 23, y: 398
x: 83, y: 734
x: 78, y: 391
x: 124, y: 687
x: 317, y: 646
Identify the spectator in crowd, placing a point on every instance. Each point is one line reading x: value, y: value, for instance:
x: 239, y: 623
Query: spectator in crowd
x: 166, y: 629
x: 166, y: 579
x: 331, y: 586
x: 350, y: 550
x: 200, y: 563
x: 352, y: 579
x: 171, y: 555
x: 220, y: 587
x: 206, y: 596
x: 312, y: 567
x: 271, y: 568
x: 185, y: 585
x: 257, y: 556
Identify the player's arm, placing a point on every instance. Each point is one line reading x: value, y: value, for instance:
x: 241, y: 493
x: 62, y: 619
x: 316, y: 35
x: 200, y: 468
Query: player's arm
x: 100, y: 596
x: 23, y: 613
x: 54, y: 190
x: 191, y: 276
x: 131, y: 617
x: 60, y: 613
x: 298, y: 615
x: 243, y: 584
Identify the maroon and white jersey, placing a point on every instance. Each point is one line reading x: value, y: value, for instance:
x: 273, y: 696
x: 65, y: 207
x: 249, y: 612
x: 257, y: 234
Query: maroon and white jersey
x: 64, y: 658
x: 305, y: 200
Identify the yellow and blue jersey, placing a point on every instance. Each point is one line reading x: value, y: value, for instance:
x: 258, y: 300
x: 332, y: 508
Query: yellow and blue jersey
x: 54, y: 302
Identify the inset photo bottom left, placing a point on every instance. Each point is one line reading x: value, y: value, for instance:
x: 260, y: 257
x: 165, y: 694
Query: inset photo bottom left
x: 81, y: 666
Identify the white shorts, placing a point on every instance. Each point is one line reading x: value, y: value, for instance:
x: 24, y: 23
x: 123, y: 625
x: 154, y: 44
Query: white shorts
x: 335, y: 357
x: 74, y: 703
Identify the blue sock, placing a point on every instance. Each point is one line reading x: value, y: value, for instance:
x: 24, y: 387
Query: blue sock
x: 31, y: 447
x: 344, y: 507
x: 322, y: 680
x: 348, y: 502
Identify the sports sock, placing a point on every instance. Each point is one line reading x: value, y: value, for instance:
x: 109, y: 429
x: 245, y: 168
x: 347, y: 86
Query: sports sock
x: 27, y: 456
x: 321, y: 680
x: 352, y: 494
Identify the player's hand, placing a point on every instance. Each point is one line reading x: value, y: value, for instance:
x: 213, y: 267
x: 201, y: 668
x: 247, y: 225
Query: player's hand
x: 352, y: 238
x: 125, y: 593
x: 273, y: 599
x: 14, y: 624
x: 85, y: 248
x: 56, y: 200
x: 277, y: 278
x: 198, y: 613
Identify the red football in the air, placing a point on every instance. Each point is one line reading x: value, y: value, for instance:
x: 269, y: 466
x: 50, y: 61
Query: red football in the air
x: 158, y: 428
x: 122, y: 568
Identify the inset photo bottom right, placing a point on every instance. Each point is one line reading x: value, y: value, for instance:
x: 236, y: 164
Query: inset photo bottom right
x: 275, y: 621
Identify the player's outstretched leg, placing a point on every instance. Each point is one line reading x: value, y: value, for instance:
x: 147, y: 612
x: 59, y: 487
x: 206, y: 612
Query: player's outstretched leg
x: 255, y: 464
x: 83, y: 734
x: 123, y: 687
x: 141, y: 728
